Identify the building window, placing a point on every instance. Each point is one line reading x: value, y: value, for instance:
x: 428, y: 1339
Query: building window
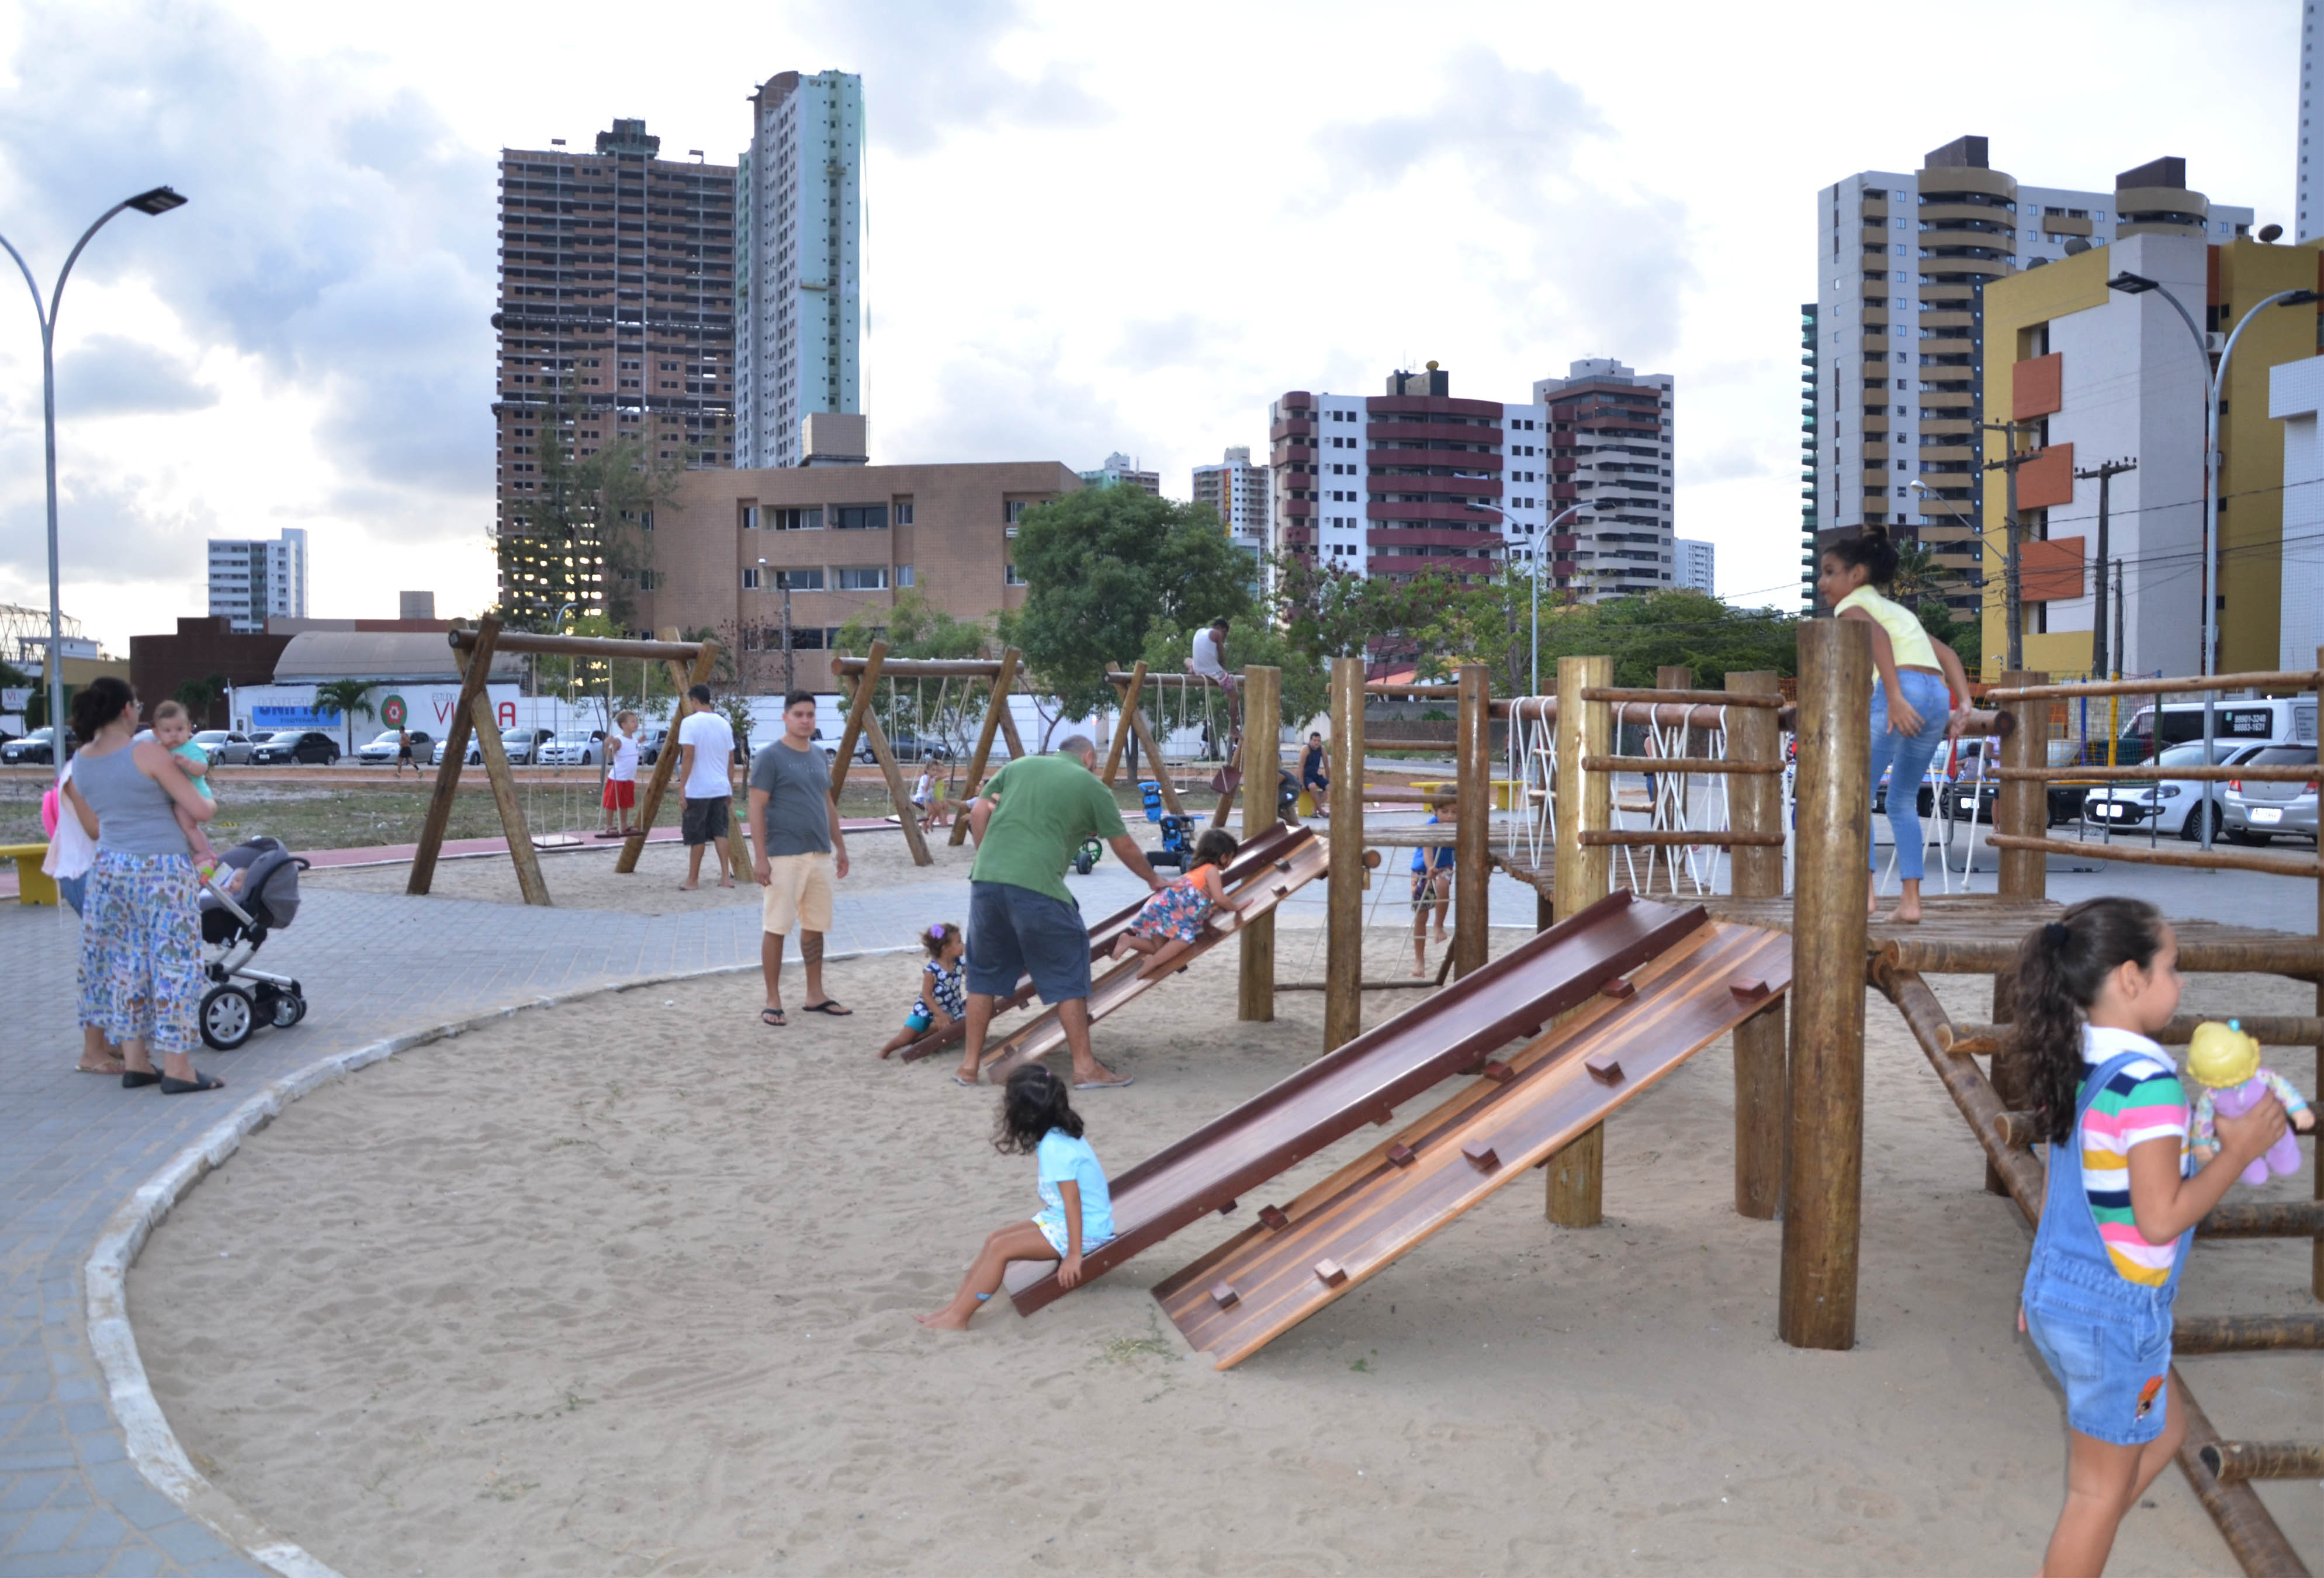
x: 750, y: 517
x: 749, y: 578
x: 903, y: 575
x: 903, y: 512
x: 863, y: 577
x: 807, y: 580
x: 859, y: 517
x: 1013, y: 578
x: 806, y: 519
x: 1013, y: 509
x: 649, y: 581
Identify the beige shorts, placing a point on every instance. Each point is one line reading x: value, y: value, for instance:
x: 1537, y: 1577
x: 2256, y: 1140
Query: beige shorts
x: 797, y: 893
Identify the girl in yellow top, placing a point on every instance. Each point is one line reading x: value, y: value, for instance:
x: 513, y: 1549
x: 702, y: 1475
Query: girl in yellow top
x: 1922, y: 684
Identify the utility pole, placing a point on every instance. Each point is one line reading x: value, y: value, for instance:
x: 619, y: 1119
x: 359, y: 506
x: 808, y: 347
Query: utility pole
x: 2014, y: 606
x: 2118, y: 653
x: 2106, y: 472
x: 789, y: 683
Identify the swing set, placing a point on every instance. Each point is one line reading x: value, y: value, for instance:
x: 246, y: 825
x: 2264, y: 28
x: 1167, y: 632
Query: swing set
x: 860, y: 680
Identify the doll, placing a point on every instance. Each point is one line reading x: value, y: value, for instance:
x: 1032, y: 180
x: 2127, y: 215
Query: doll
x: 2224, y: 1062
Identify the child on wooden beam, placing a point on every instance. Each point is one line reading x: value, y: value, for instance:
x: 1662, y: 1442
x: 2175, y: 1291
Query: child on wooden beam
x: 1172, y: 921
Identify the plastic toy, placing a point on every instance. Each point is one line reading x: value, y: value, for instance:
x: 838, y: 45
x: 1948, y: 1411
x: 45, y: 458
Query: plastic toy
x: 2224, y: 1062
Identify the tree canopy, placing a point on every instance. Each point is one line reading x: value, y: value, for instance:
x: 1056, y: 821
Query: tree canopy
x: 1104, y: 566
x: 585, y: 538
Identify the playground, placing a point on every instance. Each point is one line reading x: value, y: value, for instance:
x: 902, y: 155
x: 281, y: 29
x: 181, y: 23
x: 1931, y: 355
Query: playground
x: 616, y: 1284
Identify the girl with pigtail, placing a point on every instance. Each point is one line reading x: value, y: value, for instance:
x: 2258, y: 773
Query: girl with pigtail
x: 941, y: 1001
x: 2093, y: 988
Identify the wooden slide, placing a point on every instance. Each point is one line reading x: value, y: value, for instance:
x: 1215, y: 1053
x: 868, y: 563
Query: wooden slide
x: 1452, y: 1032
x: 1278, y: 843
x: 1297, y: 863
x: 1295, y: 1261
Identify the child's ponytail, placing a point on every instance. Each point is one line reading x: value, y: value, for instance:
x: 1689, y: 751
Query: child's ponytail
x: 2060, y: 968
x: 1216, y: 847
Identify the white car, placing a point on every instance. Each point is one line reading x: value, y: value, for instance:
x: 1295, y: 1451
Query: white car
x: 574, y: 751
x: 2176, y: 805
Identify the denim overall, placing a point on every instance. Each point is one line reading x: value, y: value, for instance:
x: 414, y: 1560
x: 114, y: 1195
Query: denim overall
x: 2107, y: 1339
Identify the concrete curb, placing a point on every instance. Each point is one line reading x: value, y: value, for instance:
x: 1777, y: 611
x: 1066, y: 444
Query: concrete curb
x: 153, y: 1445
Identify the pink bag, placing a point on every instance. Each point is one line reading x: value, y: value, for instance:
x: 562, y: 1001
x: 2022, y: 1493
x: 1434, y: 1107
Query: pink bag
x: 51, y: 806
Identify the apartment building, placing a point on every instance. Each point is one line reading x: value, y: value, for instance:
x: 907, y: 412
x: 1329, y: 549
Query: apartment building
x: 1809, y: 341
x: 253, y: 580
x: 799, y: 243
x: 1237, y: 491
x: 616, y: 322
x: 2309, y: 218
x: 1904, y: 261
x: 1120, y: 471
x: 1697, y: 565
x: 2091, y: 374
x: 731, y: 548
x: 1416, y: 481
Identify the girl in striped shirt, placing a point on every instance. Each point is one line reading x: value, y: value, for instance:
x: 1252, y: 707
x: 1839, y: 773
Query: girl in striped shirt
x: 2093, y: 987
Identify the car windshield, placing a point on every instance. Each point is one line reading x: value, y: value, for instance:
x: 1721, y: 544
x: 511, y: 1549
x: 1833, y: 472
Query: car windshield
x: 573, y: 739
x: 284, y: 737
x: 210, y: 737
x: 2193, y: 755
x: 2284, y: 756
x: 387, y: 737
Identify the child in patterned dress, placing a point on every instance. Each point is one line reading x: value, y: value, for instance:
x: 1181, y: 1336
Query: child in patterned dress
x: 1172, y: 921
x: 941, y: 1002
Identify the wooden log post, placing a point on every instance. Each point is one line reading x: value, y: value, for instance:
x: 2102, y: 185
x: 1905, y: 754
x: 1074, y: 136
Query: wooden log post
x: 859, y: 708
x: 2021, y: 808
x: 475, y: 668
x: 521, y: 854
x: 1262, y: 691
x: 1585, y: 802
x: 666, y: 759
x: 1473, y: 826
x: 1756, y: 805
x: 1824, y: 1160
x: 898, y: 794
x: 1121, y: 731
x: 1170, y: 803
x: 1344, y: 930
x: 996, y: 710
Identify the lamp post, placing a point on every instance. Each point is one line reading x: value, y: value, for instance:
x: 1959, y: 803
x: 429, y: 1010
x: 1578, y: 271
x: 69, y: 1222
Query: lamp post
x: 159, y: 201
x: 2131, y: 284
x: 1928, y: 493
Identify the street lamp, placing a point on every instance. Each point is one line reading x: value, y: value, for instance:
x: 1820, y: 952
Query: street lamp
x: 158, y: 201
x: 1565, y: 514
x: 2131, y: 284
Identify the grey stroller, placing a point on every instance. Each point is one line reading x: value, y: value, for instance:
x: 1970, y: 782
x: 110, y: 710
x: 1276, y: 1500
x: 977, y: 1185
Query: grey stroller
x: 236, y: 924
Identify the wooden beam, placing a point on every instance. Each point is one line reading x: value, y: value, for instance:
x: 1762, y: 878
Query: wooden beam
x: 1473, y: 820
x: 2268, y: 1029
x: 1128, y: 696
x: 602, y: 648
x: 924, y: 667
x: 898, y: 792
x: 1261, y: 706
x: 2012, y: 846
x: 522, y: 852
x: 1824, y: 1176
x: 1585, y: 802
x: 2235, y: 1461
x: 1008, y: 731
x: 2245, y: 1334
x: 475, y: 664
x: 1231, y: 777
x: 996, y: 708
x: 2023, y: 687
x: 665, y: 761
x: 1343, y: 935
x: 2022, y: 808
x: 866, y: 684
x: 1756, y: 805
x: 1137, y: 716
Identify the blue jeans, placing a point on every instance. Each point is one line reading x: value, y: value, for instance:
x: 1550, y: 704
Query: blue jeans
x: 1014, y: 932
x: 1905, y: 759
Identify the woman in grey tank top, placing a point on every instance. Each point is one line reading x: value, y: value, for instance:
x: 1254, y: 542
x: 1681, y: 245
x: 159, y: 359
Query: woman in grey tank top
x: 141, y: 950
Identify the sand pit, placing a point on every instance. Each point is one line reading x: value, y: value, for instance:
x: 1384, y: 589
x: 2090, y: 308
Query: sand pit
x: 586, y: 879
x: 624, y: 1288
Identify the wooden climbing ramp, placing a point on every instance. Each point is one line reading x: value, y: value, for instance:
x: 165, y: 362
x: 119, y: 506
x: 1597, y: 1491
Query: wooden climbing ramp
x: 1296, y: 1258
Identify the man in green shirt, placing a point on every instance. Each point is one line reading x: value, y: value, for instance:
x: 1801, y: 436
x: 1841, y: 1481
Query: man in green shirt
x: 1027, y: 824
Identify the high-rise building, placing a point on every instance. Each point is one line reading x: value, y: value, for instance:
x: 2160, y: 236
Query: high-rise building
x: 1236, y: 490
x: 1808, y: 345
x: 2307, y: 226
x: 1903, y: 260
x: 415, y: 606
x: 1697, y: 565
x: 1610, y: 450
x: 2090, y: 374
x: 1120, y: 471
x: 615, y: 321
x: 799, y: 247
x: 252, y: 579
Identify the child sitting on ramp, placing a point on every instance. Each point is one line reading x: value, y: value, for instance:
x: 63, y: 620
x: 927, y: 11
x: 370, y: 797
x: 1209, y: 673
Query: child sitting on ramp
x: 1171, y: 922
x: 1037, y: 1120
x: 941, y: 1001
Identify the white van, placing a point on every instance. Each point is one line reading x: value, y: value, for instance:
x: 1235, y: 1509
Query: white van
x: 2282, y: 720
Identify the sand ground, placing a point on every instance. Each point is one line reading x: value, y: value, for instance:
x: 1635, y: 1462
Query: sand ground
x: 625, y: 1287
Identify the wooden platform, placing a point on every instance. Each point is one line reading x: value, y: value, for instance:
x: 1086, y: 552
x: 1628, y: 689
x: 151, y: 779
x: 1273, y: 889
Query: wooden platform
x: 1976, y: 934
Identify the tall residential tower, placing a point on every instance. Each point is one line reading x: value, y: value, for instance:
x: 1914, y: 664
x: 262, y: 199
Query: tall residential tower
x: 799, y: 230
x: 253, y: 580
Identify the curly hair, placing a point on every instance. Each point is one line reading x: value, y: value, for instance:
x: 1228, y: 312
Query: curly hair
x: 1870, y: 548
x: 1214, y: 848
x: 1033, y: 1103
x: 2060, y: 968
x: 936, y: 938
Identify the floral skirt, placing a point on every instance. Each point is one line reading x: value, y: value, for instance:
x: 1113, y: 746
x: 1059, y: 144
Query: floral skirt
x: 141, y: 951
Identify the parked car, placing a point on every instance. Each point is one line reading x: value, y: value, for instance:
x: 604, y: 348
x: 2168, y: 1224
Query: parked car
x: 1968, y: 800
x: 517, y: 745
x: 575, y: 749
x: 39, y: 746
x: 383, y: 749
x: 649, y: 742
x: 907, y: 746
x: 230, y: 746
x: 2253, y: 721
x: 2258, y: 812
x: 291, y: 747
x: 2176, y: 804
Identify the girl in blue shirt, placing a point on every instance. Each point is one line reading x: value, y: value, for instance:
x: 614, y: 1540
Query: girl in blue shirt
x: 1037, y: 1120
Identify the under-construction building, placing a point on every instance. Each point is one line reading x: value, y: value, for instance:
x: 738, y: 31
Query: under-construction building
x: 616, y: 321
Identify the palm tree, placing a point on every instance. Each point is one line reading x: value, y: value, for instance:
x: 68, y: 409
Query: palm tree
x: 346, y: 697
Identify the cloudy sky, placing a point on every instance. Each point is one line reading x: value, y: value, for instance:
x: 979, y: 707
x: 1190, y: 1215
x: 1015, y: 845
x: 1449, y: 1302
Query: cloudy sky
x: 1091, y: 228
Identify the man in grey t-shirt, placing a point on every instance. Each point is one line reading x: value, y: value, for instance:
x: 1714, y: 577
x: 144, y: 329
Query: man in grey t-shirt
x: 794, y: 825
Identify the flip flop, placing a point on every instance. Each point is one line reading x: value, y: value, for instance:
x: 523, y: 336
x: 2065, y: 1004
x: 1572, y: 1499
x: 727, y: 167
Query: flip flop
x: 1105, y: 1084
x: 969, y: 1084
x: 116, y: 1068
x: 777, y: 1022
x: 200, y: 1082
x: 831, y: 1006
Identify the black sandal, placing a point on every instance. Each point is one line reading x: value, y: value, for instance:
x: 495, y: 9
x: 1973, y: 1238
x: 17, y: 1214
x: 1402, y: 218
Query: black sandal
x: 200, y: 1082
x: 133, y: 1079
x: 772, y: 1017
x: 832, y: 1006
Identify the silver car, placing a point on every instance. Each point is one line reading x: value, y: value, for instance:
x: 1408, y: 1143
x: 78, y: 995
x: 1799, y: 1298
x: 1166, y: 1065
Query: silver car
x: 2175, y: 806
x: 2257, y: 812
x: 573, y: 751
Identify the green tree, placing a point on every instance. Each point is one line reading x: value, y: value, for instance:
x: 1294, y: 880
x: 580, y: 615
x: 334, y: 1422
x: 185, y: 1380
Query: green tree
x: 1104, y: 566
x: 586, y: 538
x: 346, y: 697
x: 1327, y: 612
x: 1306, y: 690
x: 198, y: 696
x: 914, y: 628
